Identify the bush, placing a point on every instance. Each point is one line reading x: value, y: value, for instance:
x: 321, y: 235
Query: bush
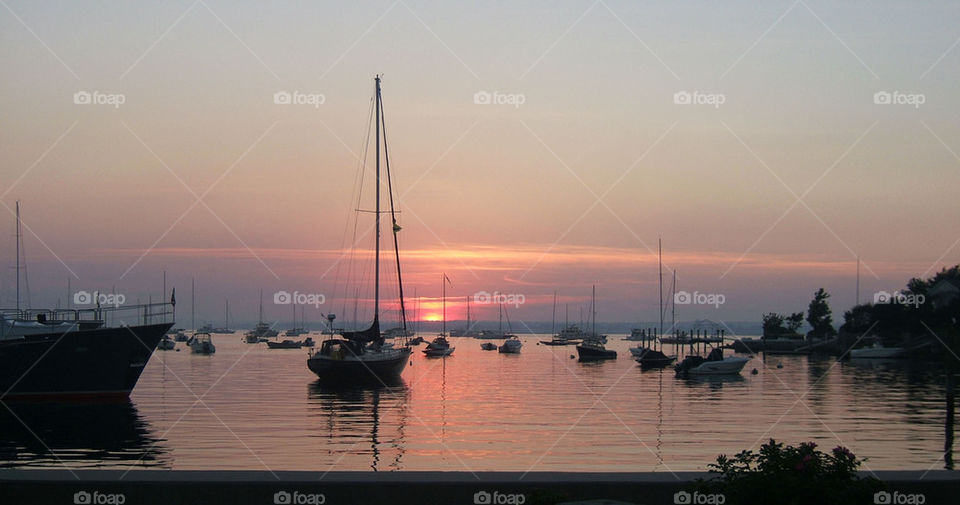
x: 799, y: 475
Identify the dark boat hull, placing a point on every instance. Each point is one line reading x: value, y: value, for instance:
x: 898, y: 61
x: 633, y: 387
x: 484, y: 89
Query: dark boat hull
x: 333, y: 369
x: 591, y: 354
x: 103, y: 362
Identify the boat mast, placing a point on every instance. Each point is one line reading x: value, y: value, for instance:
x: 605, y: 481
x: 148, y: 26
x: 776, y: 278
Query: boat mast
x: 553, y: 320
x: 858, y: 280
x: 18, y: 257
x: 443, y: 295
x: 193, y: 304
x: 376, y: 270
x: 673, y: 305
x: 261, y: 307
x: 660, y: 260
x: 593, y: 310
x: 468, y: 315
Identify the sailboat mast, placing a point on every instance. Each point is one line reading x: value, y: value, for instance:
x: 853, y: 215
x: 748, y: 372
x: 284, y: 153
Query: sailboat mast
x: 443, y: 295
x: 468, y: 314
x: 261, y: 306
x: 858, y: 280
x: 193, y: 304
x: 673, y: 305
x: 18, y: 257
x: 226, y: 315
x: 376, y: 281
x: 553, y: 320
x: 593, y: 310
x: 660, y: 261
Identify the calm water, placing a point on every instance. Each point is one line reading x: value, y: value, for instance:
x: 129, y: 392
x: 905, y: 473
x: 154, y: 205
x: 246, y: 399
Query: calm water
x: 247, y: 407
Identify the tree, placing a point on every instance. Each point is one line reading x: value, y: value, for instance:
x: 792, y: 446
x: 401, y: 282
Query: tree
x: 794, y: 322
x: 819, y: 315
x: 772, y: 324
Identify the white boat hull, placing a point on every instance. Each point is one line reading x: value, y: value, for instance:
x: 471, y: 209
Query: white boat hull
x: 877, y: 352
x: 726, y: 366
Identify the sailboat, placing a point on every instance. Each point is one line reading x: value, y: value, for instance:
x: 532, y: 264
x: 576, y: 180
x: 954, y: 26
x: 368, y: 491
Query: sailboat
x: 362, y: 354
x: 592, y: 349
x: 569, y: 335
x: 440, y: 346
x: 262, y: 331
x: 226, y: 320
x: 650, y: 355
x: 296, y: 331
x: 499, y: 334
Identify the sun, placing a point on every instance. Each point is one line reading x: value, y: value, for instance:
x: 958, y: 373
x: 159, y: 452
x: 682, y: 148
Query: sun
x: 432, y: 317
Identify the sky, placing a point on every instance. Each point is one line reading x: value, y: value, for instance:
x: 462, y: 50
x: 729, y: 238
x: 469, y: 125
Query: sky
x: 767, y: 144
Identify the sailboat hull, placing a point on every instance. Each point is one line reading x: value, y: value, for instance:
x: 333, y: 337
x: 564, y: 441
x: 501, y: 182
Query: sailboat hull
x: 328, y: 368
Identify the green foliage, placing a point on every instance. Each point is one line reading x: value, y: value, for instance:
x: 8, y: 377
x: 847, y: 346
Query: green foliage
x: 794, y: 321
x: 773, y: 324
x: 787, y: 475
x: 820, y: 316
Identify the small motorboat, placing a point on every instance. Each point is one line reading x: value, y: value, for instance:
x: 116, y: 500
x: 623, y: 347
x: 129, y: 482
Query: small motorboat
x: 201, y: 343
x: 511, y: 345
x: 416, y: 341
x: 557, y: 340
x: 284, y: 344
x: 877, y: 351
x: 439, y: 347
x: 488, y: 346
x: 180, y: 336
x: 593, y: 350
x: 166, y: 344
x: 713, y: 364
x: 651, y: 357
x: 308, y: 342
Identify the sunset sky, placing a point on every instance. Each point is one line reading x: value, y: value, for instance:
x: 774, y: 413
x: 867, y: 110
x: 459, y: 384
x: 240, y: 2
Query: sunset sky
x: 762, y: 198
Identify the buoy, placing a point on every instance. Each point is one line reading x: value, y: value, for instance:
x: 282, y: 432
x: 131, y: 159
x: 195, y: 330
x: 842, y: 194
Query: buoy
x: 571, y: 356
x: 754, y: 372
x: 779, y: 365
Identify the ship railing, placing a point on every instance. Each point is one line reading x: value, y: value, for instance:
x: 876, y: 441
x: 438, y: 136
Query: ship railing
x: 110, y: 315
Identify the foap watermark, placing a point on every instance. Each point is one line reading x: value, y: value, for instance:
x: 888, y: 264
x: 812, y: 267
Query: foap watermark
x: 898, y: 98
x: 98, y: 298
x: 297, y: 98
x: 98, y: 98
x: 298, y: 298
x: 298, y: 498
x: 485, y: 297
x: 698, y: 298
x: 98, y: 498
x: 684, y: 97
x: 498, y: 498
x: 899, y: 298
x: 698, y: 498
x: 497, y: 98
x: 898, y: 498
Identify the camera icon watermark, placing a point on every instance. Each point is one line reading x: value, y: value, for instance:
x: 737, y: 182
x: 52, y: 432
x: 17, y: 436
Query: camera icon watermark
x: 498, y: 498
x: 298, y: 498
x: 698, y: 498
x: 298, y: 298
x: 100, y: 299
x: 684, y: 97
x: 898, y: 298
x: 483, y: 97
x: 898, y: 498
x: 98, y: 98
x: 485, y: 298
x: 698, y: 298
x: 297, y: 98
x: 98, y: 498
x: 898, y: 98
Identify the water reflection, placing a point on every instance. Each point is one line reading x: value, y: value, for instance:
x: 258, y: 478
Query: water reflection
x: 370, y: 414
x: 77, y: 435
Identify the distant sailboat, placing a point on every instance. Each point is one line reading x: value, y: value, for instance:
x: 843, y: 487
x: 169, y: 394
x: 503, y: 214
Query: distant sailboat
x: 440, y: 346
x: 262, y: 331
x: 647, y: 353
x: 592, y: 348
